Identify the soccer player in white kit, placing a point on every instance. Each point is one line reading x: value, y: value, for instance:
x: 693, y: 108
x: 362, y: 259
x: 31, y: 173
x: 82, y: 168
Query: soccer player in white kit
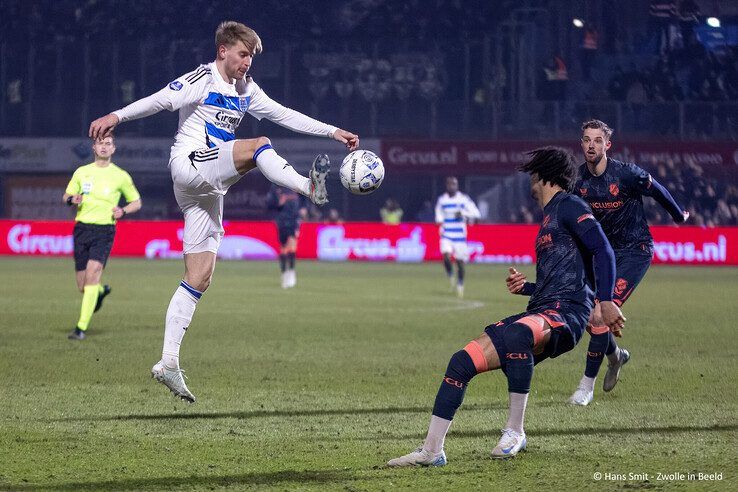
x: 206, y: 159
x: 453, y: 210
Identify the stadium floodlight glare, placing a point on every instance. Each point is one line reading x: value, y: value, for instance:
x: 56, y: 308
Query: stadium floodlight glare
x: 577, y: 22
x: 713, y: 22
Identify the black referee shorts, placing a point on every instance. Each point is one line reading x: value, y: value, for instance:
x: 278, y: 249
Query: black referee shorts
x: 92, y: 242
x: 286, y: 232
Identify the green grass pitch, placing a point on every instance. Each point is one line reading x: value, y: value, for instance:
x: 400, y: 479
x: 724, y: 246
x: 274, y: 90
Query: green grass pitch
x: 316, y: 388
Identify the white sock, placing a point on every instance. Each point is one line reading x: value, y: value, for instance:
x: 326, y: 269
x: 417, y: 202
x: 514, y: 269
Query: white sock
x: 179, y: 315
x: 437, y: 431
x: 278, y: 171
x: 587, y: 383
x: 614, y: 356
x: 518, y: 402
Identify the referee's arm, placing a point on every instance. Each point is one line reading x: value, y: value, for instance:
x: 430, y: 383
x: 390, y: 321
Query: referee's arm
x: 130, y: 208
x: 70, y: 199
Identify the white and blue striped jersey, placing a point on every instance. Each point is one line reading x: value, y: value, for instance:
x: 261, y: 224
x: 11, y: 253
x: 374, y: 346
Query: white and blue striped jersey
x: 453, y: 212
x: 210, y: 109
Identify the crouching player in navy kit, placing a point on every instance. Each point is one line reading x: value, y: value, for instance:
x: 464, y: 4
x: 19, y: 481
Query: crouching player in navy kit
x: 573, y: 256
x: 615, y: 190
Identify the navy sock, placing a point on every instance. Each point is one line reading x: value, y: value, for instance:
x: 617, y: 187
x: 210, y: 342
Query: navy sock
x: 598, y: 345
x: 447, y: 265
x: 459, y: 372
x: 282, y: 262
x: 518, y: 363
x: 460, y: 269
x: 612, y: 345
x: 291, y: 260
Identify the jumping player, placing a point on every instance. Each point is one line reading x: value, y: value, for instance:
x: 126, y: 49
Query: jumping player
x: 206, y: 159
x: 453, y: 210
x: 572, y: 251
x: 287, y: 204
x: 615, y: 190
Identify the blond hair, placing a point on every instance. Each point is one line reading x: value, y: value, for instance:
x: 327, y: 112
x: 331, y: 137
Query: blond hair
x: 598, y: 125
x: 231, y: 32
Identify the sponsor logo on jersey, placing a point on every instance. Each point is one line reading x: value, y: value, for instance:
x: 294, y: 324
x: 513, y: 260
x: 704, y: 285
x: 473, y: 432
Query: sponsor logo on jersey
x: 614, y: 190
x: 606, y: 205
x: 175, y: 85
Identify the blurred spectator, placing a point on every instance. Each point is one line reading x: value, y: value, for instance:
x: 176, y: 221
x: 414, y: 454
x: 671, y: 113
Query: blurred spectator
x: 590, y: 45
x: 391, y: 213
x: 333, y: 217
x: 426, y: 213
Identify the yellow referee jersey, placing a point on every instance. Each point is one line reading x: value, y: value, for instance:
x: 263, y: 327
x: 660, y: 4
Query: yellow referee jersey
x: 101, y: 188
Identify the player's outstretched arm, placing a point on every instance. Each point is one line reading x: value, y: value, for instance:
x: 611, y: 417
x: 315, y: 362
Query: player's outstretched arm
x: 517, y: 283
x: 666, y: 200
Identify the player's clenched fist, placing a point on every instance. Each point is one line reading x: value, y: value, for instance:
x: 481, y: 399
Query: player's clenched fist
x: 515, y: 281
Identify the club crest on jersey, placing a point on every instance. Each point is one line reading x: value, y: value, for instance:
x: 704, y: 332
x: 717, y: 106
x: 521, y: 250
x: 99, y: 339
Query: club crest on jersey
x: 175, y: 85
x: 583, y: 191
x: 243, y: 103
x: 614, y: 190
x: 620, y: 285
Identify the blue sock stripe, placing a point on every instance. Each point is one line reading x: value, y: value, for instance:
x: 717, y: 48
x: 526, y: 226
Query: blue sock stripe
x: 262, y: 149
x: 194, y: 292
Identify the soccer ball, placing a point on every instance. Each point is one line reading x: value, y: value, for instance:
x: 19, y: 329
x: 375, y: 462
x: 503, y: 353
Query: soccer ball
x: 362, y: 172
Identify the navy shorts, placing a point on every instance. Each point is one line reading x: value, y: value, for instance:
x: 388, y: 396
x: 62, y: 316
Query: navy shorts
x: 631, y: 266
x: 92, y: 242
x: 567, y: 326
x: 286, y: 232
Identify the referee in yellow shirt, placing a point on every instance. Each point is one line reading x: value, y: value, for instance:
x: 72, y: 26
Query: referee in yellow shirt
x: 95, y: 190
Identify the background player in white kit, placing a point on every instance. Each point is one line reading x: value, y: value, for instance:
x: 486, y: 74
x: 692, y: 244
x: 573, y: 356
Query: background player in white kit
x: 453, y: 210
x: 206, y: 159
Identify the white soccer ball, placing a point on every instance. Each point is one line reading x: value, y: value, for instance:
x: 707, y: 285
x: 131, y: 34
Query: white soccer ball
x: 362, y: 172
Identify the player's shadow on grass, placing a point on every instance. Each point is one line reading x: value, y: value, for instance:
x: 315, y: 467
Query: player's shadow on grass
x: 587, y: 431
x: 280, y: 478
x: 246, y: 415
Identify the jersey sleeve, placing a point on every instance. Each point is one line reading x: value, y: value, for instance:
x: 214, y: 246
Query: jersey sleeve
x: 470, y: 209
x: 576, y: 216
x: 130, y: 193
x: 638, y: 178
x: 439, y: 212
x: 262, y: 106
x: 185, y: 90
x: 74, y: 187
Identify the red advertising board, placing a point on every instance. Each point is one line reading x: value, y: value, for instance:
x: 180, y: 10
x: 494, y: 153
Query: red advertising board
x: 364, y: 241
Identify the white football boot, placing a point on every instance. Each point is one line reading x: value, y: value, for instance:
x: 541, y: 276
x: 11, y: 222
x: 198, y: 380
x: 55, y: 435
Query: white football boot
x: 613, y: 370
x: 293, y: 278
x: 581, y: 397
x: 172, y: 379
x: 510, y: 444
x: 460, y: 291
x: 285, y: 280
x: 419, y: 457
x: 452, y: 282
x: 318, y: 175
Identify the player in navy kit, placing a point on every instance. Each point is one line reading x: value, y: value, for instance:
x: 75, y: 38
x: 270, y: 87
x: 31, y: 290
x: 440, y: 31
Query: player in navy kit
x: 287, y: 203
x: 572, y: 251
x: 615, y: 190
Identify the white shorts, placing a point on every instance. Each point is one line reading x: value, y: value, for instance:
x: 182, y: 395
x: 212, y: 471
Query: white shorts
x: 458, y: 249
x: 201, y: 179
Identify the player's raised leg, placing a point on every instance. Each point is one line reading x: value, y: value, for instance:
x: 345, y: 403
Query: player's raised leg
x: 259, y: 153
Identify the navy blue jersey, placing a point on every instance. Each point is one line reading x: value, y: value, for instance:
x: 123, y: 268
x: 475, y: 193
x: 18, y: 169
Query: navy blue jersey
x: 288, y: 213
x: 564, y: 268
x: 616, y: 199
